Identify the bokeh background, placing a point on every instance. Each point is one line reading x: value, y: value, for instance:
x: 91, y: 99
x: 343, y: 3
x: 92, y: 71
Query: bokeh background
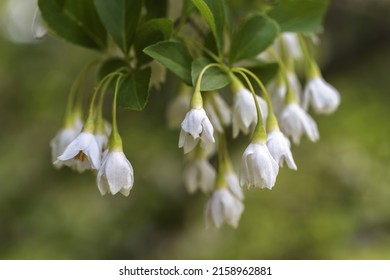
x: 337, y: 206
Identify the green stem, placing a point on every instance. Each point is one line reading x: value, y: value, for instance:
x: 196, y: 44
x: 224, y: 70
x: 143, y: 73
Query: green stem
x: 290, y: 97
x: 115, y: 141
x: 312, y: 69
x: 196, y: 100
x: 259, y: 134
x: 71, y: 108
x: 89, y: 124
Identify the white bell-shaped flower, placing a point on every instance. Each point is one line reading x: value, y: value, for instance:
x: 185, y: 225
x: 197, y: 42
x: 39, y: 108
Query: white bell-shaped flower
x: 244, y: 111
x: 222, y: 207
x: 323, y: 97
x: 115, y: 174
x: 178, y: 108
x: 258, y: 167
x: 294, y: 122
x: 59, y: 143
x: 291, y: 42
x: 199, y: 174
x: 196, y: 125
x: 82, y: 153
x: 217, y: 110
x: 280, y: 148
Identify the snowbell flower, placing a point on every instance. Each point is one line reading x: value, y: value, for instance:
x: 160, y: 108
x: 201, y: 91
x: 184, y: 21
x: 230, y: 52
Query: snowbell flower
x: 294, y: 122
x: 258, y: 167
x: 196, y: 125
x: 199, y: 174
x: 244, y: 111
x: 115, y: 174
x: 323, y: 97
x: 178, y: 107
x: 63, y: 138
x: 291, y: 42
x: 59, y: 143
x: 223, y: 206
x: 279, y: 147
x: 82, y: 153
x: 217, y: 110
x: 278, y: 92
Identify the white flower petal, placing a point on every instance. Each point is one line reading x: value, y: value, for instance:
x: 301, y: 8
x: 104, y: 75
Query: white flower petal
x: 323, y: 97
x: 244, y: 111
x: 279, y: 147
x: 115, y: 174
x: 85, y: 146
x: 196, y: 125
x: 258, y: 167
x: 199, y: 174
x: 223, y: 206
x: 294, y: 121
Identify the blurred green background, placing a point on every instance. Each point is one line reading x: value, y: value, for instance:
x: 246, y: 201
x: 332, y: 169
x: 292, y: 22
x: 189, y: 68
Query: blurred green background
x: 337, y: 206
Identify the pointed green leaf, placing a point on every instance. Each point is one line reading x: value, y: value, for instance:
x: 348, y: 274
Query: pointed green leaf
x: 264, y: 71
x: 120, y: 17
x: 174, y: 56
x: 213, y: 78
x: 151, y: 32
x: 299, y: 15
x: 213, y: 12
x: 76, y: 21
x: 255, y: 35
x: 134, y: 90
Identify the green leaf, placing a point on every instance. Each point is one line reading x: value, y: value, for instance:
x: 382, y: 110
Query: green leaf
x: 264, y: 71
x: 174, y: 56
x: 120, y: 17
x: 134, y: 90
x: 299, y: 15
x: 213, y: 12
x: 111, y: 65
x: 213, y: 78
x: 76, y: 21
x: 150, y: 33
x: 255, y: 35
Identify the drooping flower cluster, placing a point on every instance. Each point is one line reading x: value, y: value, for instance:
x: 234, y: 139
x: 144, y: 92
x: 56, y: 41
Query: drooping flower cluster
x: 270, y: 119
x: 95, y: 146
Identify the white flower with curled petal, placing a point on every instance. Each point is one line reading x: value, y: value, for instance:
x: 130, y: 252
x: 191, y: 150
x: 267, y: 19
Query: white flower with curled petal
x: 102, y: 141
x: 279, y: 147
x: 244, y: 111
x: 199, y: 174
x: 294, y: 122
x: 222, y: 207
x: 196, y: 125
x: 115, y: 174
x: 82, y: 153
x: 323, y: 97
x: 258, y: 167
